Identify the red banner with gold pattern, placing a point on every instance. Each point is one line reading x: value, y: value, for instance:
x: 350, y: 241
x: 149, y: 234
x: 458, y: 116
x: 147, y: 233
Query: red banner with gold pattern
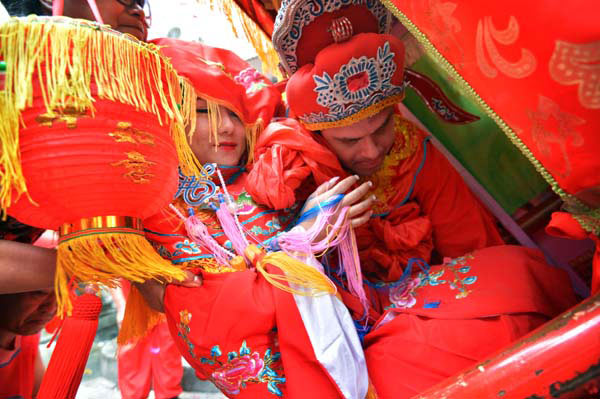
x: 535, y: 69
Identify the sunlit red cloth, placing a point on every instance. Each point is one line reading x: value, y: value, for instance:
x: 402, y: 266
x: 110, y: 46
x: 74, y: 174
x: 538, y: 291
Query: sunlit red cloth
x: 154, y: 361
x: 17, y: 368
x: 464, y: 310
x: 537, y: 66
x: 151, y: 362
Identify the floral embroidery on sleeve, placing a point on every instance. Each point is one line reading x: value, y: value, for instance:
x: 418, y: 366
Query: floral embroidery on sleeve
x: 243, y: 368
x: 232, y: 374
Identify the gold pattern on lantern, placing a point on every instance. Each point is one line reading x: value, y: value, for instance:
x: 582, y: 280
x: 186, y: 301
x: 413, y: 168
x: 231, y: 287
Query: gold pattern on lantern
x: 126, y: 133
x: 137, y: 167
x: 578, y: 64
x: 487, y: 36
x: 68, y: 116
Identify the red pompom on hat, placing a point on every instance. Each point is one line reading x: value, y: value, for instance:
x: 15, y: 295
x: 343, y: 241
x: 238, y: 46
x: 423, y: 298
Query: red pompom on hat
x: 349, y: 81
x: 222, y: 78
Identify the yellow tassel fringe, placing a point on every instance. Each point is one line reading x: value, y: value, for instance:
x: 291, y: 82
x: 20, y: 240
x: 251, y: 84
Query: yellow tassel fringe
x: 103, y: 257
x: 296, y: 273
x: 139, y: 318
x: 252, y: 32
x: 65, y: 57
x: 214, y: 121
x: 252, y: 133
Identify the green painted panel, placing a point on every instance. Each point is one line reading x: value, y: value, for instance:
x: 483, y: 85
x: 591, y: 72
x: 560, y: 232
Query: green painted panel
x: 481, y: 147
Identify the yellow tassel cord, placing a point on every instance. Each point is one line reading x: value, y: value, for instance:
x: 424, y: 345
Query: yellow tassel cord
x: 139, y: 318
x: 587, y: 217
x: 182, y: 135
x: 295, y: 273
x: 65, y: 56
x: 11, y: 175
x: 214, y: 121
x: 252, y: 32
x: 252, y: 133
x: 101, y: 256
x: 371, y: 392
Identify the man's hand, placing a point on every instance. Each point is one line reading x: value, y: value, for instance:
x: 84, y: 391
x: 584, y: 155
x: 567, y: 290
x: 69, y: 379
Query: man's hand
x: 359, y: 212
x: 153, y: 291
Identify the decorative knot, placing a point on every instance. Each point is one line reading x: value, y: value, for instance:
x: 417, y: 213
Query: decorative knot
x: 87, y: 307
x: 341, y: 29
x: 254, y: 254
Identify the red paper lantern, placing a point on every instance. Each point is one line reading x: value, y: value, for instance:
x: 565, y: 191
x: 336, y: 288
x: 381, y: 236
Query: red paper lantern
x: 89, y: 121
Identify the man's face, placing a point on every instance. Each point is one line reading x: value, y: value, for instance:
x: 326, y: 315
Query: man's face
x: 26, y: 313
x: 362, y: 147
x: 125, y: 19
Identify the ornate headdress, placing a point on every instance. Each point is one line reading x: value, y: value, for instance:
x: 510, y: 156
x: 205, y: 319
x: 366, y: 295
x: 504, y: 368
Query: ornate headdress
x: 305, y: 27
x: 343, y: 65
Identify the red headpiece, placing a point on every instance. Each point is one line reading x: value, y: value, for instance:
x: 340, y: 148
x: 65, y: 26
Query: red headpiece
x: 344, y: 65
x: 348, y: 82
x: 222, y: 78
x: 305, y: 27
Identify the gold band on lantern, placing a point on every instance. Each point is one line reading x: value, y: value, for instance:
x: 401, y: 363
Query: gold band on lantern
x: 100, y: 224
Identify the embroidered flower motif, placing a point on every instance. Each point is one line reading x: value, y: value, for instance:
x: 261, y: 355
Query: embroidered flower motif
x: 244, y: 367
x: 184, y: 330
x: 403, y: 295
x: 232, y: 375
x: 457, y: 281
x: 357, y: 85
x: 251, y: 79
x: 188, y: 247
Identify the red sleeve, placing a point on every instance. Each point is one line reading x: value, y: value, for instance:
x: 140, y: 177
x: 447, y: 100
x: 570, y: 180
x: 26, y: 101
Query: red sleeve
x: 17, y: 375
x: 286, y: 155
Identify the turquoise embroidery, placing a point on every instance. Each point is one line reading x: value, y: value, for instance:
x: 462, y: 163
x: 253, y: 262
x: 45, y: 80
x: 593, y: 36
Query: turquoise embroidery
x: 241, y: 368
x: 188, y: 247
x: 457, y: 281
x: 184, y: 330
x: 404, y: 295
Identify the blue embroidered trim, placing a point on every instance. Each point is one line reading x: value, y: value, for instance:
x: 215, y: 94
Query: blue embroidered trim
x: 405, y: 274
x: 182, y: 260
x: 414, y: 181
x: 432, y: 305
x: 11, y: 358
x: 235, y: 176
